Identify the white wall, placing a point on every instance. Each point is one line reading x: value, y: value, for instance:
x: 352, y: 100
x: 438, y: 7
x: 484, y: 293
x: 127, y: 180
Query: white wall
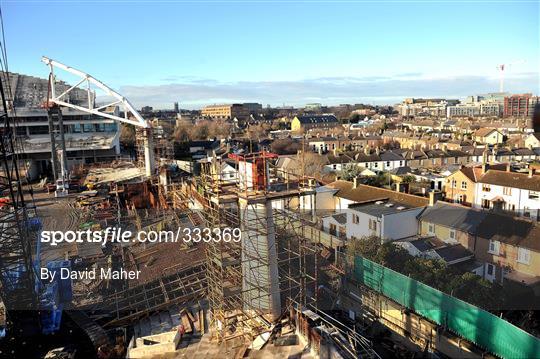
x: 400, y: 225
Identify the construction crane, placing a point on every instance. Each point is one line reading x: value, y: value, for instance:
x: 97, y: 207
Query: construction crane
x: 130, y: 115
x: 502, y: 69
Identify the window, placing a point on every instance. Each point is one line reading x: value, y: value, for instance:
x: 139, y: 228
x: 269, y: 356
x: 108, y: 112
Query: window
x: 490, y: 269
x: 38, y: 130
x: 355, y: 219
x: 111, y: 127
x: 534, y: 195
x: 373, y: 224
x: 463, y: 185
x: 431, y: 228
x: 486, y: 203
x: 486, y: 188
x: 494, y: 247
x: 524, y: 255
x: 507, y: 191
x: 387, y: 163
x: 454, y: 183
x: 88, y: 127
x: 20, y: 130
x: 452, y: 234
x: 333, y: 229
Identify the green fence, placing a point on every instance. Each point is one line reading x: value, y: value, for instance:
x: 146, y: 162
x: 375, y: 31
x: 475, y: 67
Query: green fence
x: 490, y: 332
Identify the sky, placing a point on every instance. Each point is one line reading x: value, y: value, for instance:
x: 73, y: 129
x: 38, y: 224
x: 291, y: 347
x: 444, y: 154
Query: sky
x: 280, y: 52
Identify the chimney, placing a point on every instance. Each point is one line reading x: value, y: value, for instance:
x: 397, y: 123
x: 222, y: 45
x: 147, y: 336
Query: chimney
x: 355, y: 182
x: 434, y: 196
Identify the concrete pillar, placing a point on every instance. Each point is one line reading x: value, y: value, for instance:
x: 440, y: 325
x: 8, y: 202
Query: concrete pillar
x: 149, y: 160
x: 260, y: 283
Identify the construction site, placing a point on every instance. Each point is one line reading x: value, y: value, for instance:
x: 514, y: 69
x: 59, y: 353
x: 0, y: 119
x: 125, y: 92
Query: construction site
x: 209, y: 263
x: 254, y: 284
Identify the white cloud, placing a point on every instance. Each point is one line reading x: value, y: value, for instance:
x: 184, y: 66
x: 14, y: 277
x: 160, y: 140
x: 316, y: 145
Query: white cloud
x: 196, y: 92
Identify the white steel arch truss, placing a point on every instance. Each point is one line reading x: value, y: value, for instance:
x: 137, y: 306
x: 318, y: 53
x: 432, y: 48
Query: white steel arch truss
x: 85, y: 79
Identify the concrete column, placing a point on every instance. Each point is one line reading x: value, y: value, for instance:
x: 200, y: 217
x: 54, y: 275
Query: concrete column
x: 259, y: 258
x: 149, y: 160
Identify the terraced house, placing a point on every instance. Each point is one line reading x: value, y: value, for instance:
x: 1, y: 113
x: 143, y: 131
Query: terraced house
x: 507, y: 248
x: 518, y: 193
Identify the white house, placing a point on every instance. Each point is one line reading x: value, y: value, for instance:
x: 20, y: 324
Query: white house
x: 533, y: 140
x: 509, y: 191
x: 488, y: 136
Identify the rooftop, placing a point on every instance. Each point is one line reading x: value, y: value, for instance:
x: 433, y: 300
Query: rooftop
x: 379, y: 208
x: 484, y: 224
x: 365, y: 193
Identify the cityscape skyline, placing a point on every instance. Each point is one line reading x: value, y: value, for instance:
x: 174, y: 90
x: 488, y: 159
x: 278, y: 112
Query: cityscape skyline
x: 295, y: 54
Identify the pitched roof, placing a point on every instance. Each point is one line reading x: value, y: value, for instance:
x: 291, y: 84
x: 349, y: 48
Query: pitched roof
x: 341, y: 218
x: 365, y: 193
x: 484, y: 131
x: 472, y: 173
x: 458, y: 217
x: 488, y: 225
x: 511, y: 179
x: 338, y: 159
x: 307, y: 119
x: 453, y: 253
x: 523, y: 151
x: 391, y: 156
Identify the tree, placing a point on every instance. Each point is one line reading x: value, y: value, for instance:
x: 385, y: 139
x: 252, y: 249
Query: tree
x: 200, y: 131
x: 182, y: 133
x: 311, y: 163
x: 285, y: 146
x: 408, y: 179
x: 350, y: 171
x: 366, y: 247
x: 127, y: 135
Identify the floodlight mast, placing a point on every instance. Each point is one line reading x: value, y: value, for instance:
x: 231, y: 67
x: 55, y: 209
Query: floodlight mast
x: 131, y: 115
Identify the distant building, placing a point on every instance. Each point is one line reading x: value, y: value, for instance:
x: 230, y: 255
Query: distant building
x: 252, y: 107
x: 313, y: 107
x: 488, y: 136
x: 88, y: 138
x: 309, y: 122
x: 485, y: 105
x: 425, y: 107
x: 520, y: 105
x: 176, y: 107
x: 225, y: 111
x: 147, y: 109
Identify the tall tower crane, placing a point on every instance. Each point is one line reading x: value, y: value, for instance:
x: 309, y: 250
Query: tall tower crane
x: 502, y: 69
x: 130, y: 115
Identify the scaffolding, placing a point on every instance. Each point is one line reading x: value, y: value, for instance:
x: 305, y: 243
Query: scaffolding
x: 253, y: 283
